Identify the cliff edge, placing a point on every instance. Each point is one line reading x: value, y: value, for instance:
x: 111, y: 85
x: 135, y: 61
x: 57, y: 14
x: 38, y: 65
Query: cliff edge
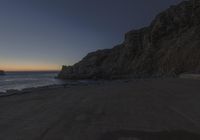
x: 168, y: 47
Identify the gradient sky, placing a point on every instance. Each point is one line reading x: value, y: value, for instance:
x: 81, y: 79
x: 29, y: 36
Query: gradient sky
x: 45, y: 34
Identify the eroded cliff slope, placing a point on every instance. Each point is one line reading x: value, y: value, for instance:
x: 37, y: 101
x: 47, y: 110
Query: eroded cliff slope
x: 168, y: 47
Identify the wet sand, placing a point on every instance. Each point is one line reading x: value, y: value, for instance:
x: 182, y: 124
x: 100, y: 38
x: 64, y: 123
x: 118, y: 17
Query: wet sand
x: 151, y: 109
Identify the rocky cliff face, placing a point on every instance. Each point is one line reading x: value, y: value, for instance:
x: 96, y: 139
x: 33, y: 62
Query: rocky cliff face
x: 168, y: 47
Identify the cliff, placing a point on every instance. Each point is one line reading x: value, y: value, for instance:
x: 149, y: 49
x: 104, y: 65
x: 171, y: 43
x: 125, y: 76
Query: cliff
x: 168, y: 47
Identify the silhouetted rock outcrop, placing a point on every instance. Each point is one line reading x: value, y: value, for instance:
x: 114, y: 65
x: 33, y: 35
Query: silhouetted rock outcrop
x: 2, y: 72
x: 168, y: 47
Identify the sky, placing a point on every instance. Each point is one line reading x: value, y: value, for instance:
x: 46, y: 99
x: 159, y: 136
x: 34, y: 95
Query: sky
x: 46, y: 34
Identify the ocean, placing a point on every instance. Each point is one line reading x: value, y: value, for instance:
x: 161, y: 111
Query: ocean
x: 22, y: 80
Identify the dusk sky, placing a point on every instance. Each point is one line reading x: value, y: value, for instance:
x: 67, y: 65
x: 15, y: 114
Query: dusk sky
x: 46, y: 34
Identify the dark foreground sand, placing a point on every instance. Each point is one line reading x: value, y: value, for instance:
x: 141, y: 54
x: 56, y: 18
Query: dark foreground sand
x: 159, y: 109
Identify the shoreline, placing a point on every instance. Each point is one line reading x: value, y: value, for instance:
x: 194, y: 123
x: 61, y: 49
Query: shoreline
x: 71, y: 83
x: 11, y: 92
x: 68, y: 84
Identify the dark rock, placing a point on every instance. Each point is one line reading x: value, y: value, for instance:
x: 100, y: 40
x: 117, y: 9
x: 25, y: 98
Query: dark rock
x: 2, y: 72
x: 168, y: 47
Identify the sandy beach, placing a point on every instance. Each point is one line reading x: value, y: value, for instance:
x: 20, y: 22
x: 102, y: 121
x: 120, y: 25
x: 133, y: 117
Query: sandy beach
x: 151, y: 109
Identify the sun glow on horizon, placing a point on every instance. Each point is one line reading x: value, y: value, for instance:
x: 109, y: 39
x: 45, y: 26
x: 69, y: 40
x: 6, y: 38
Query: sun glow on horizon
x: 30, y: 67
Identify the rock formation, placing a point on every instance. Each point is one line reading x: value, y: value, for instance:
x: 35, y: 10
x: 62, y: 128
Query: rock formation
x: 2, y: 72
x: 168, y: 47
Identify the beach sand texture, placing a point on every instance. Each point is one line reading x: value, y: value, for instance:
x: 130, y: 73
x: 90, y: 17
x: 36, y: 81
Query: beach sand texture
x: 156, y: 109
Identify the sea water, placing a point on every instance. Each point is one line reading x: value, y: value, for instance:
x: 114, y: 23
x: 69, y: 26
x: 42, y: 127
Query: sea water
x: 22, y: 80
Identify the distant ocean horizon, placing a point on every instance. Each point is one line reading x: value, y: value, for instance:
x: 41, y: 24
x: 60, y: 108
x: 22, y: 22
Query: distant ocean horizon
x: 18, y: 80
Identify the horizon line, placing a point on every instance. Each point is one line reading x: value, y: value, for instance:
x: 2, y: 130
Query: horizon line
x: 31, y: 70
